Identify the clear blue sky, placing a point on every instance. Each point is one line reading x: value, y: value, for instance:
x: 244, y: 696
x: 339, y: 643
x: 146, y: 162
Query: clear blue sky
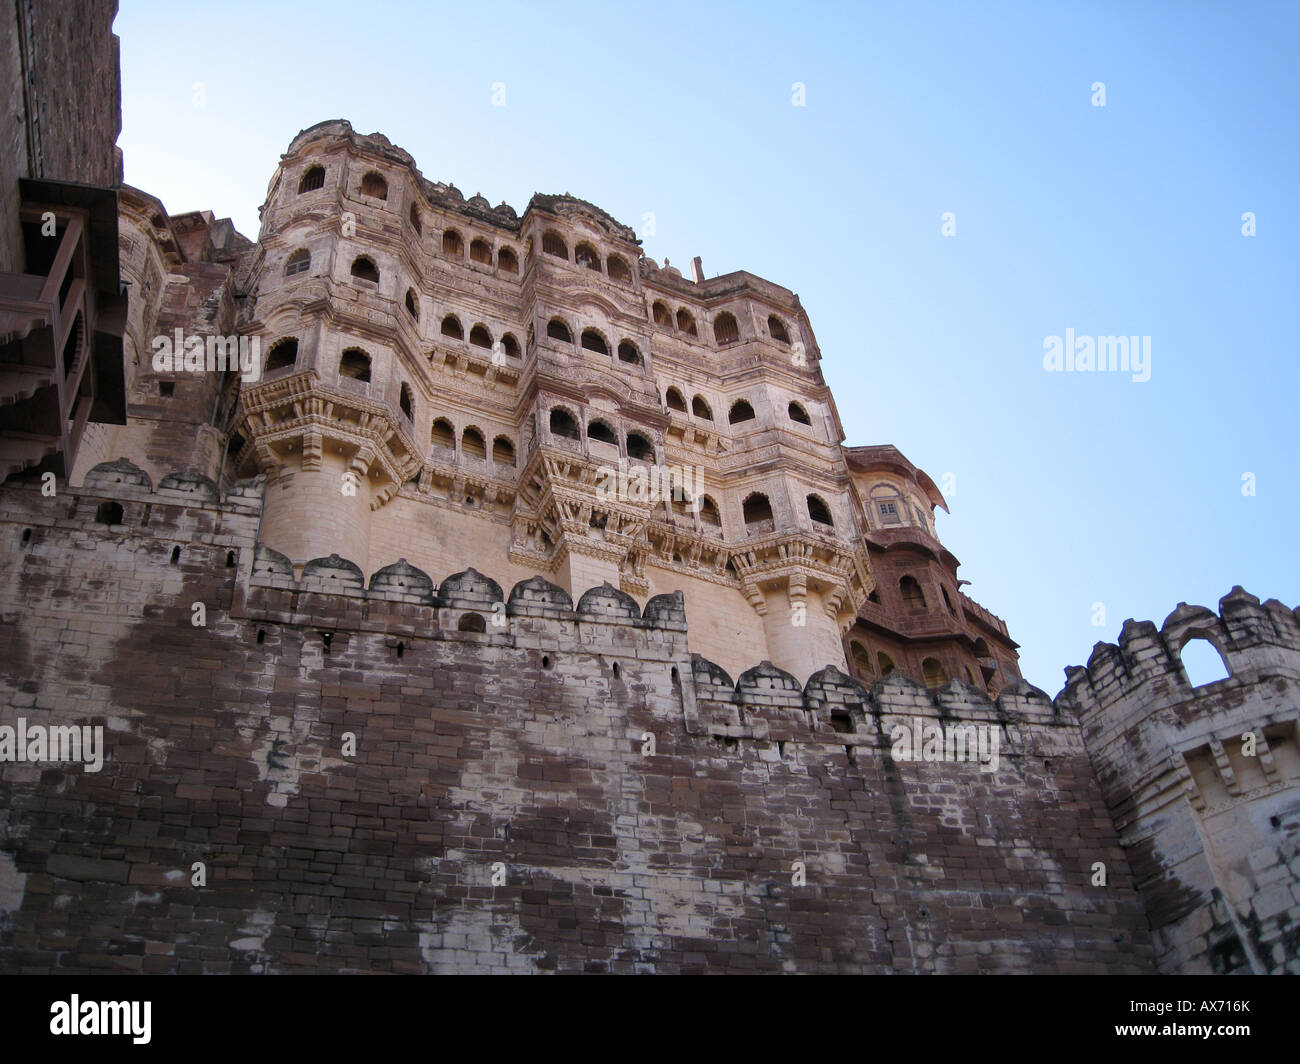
x: 1071, y: 489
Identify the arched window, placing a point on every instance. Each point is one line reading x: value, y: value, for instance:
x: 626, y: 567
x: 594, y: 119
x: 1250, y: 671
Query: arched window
x: 701, y: 409
x: 799, y: 414
x: 758, y: 513
x: 663, y: 316
x: 452, y: 327
x: 507, y: 261
x: 479, y: 336
x: 639, y: 447
x: 415, y: 219
x: 628, y: 353
x: 776, y: 327
x: 364, y: 269
x: 819, y: 511
x: 553, y: 244
x: 886, y: 664
x: 313, y: 179
x: 298, y: 262
x: 108, y: 513
x: 674, y: 401
x: 510, y: 345
x: 740, y: 411
x: 586, y: 256
x: 472, y: 445
x: 861, y: 660
x: 563, y: 424
x: 557, y: 330
x: 404, y: 402
x: 503, y: 451
x: 443, y: 434
x: 593, y: 341
x: 355, y: 364
x: 471, y: 622
x: 598, y: 430
x: 709, y: 513
x: 888, y: 505
x: 913, y: 596
x: 686, y: 323
x: 373, y: 184
x: 946, y: 600
x: 933, y: 673
x: 1202, y: 662
x: 282, y: 355
x: 618, y: 269
x: 453, y: 244
x: 480, y: 251
x: 725, y: 328
x: 412, y: 308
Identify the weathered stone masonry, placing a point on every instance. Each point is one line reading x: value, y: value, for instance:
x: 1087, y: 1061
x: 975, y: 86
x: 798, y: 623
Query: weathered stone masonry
x: 520, y: 744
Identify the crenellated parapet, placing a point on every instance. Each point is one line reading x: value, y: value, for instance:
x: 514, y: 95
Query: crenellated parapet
x: 1203, y: 783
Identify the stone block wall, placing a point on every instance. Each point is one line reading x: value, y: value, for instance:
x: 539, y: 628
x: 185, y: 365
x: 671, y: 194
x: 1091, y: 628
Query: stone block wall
x: 421, y: 777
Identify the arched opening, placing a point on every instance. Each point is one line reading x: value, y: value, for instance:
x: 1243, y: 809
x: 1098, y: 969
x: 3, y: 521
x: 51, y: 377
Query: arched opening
x: 587, y: 257
x: 618, y: 270
x: 820, y: 512
x: 758, y: 513
x: 933, y: 673
x: 639, y: 447
x: 776, y: 329
x: 415, y: 219
x: 701, y: 409
x: 740, y: 411
x: 503, y: 451
x: 298, y: 262
x: 686, y: 323
x: 453, y: 244
x: 887, y: 503
x: 557, y: 330
x: 725, y: 328
x: 1202, y: 663
x: 946, y: 600
x: 472, y: 445
x: 373, y: 184
x: 510, y: 345
x: 283, y: 354
x: 404, y: 402
x: 411, y: 307
x: 507, y: 261
x: 598, y: 430
x: 479, y: 336
x: 563, y: 424
x: 452, y: 327
x: 553, y: 244
x: 480, y: 251
x: 108, y: 513
x: 365, y: 270
x: 662, y: 316
x: 674, y: 401
x: 593, y: 341
x: 628, y: 353
x: 355, y: 364
x: 886, y: 664
x: 913, y: 596
x: 471, y: 622
x: 799, y: 414
x: 313, y: 179
x: 861, y: 660
x: 443, y: 434
x: 709, y: 513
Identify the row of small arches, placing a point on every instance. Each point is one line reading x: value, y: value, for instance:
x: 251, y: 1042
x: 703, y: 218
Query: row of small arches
x: 725, y: 327
x: 932, y: 670
x: 741, y: 410
x: 472, y: 442
x: 374, y: 184
x: 564, y: 424
x: 586, y: 256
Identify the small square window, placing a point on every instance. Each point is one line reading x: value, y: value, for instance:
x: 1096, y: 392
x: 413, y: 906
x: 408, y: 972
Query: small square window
x: 166, y: 389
